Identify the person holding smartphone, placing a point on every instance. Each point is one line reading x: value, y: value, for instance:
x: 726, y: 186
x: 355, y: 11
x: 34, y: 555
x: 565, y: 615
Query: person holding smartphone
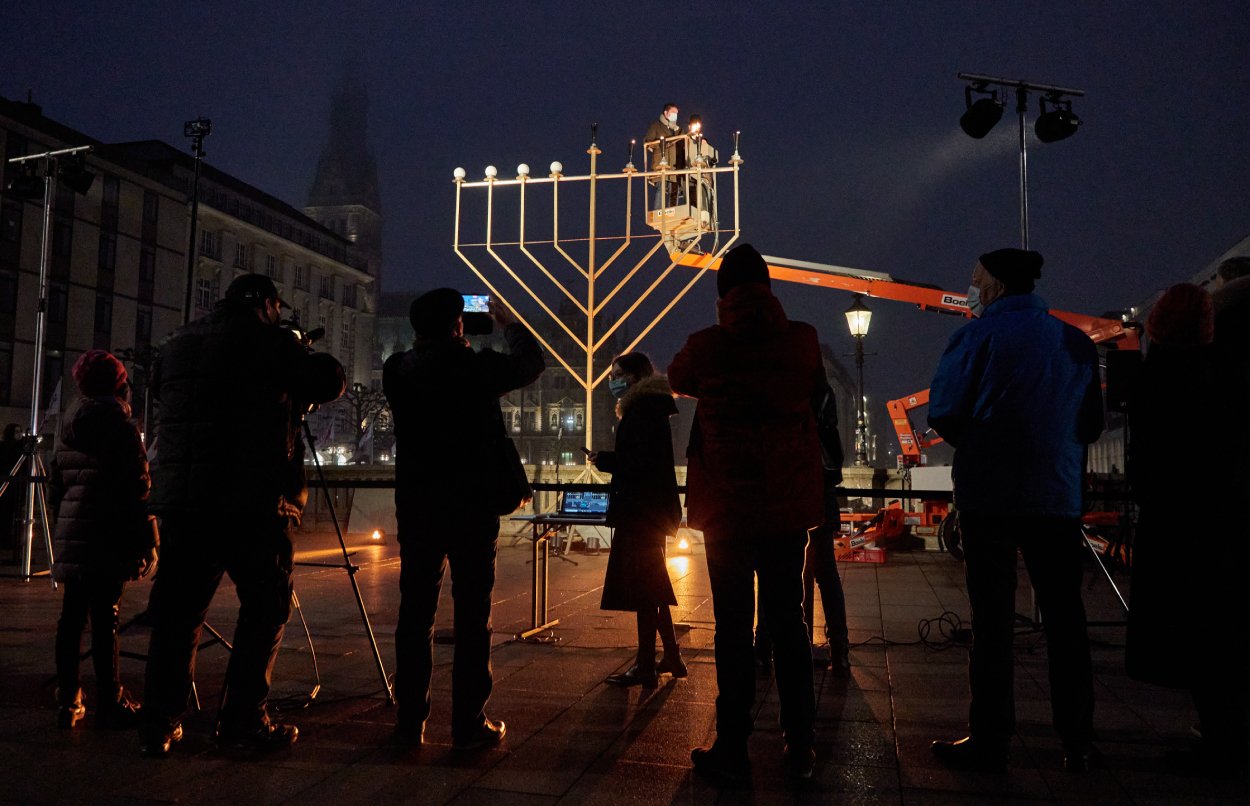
x: 643, y: 510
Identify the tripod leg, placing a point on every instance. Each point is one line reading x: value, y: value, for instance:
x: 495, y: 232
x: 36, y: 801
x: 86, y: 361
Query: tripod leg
x: 349, y: 567
x: 43, y: 512
x: 1089, y: 545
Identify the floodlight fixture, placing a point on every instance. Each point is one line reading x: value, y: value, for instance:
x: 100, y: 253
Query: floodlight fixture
x: 1057, y: 122
x: 982, y: 114
x: 26, y: 182
x: 74, y: 175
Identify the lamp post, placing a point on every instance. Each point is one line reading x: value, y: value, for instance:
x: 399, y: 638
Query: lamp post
x: 857, y: 318
x: 197, y: 130
x: 1055, y: 121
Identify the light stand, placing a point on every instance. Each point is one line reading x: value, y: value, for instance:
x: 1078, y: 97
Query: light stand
x: 197, y: 130
x: 1051, y: 126
x: 37, y: 476
x: 347, y: 565
x: 858, y: 317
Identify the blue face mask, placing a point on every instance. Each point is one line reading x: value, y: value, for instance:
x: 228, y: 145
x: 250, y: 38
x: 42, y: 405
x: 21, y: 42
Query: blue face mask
x: 617, y: 386
x: 974, y: 301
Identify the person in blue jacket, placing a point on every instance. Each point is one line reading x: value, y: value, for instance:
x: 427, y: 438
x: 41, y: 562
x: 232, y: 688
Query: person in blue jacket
x: 1017, y: 394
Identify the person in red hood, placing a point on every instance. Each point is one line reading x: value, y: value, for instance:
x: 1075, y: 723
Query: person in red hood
x: 754, y: 487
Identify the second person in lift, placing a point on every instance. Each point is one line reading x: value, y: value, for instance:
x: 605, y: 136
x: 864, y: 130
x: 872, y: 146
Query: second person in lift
x: 643, y: 510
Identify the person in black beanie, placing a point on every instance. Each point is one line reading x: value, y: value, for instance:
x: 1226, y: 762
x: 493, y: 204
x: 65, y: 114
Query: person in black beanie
x: 1017, y: 394
x: 229, y: 486
x: 444, y: 398
x: 755, y: 486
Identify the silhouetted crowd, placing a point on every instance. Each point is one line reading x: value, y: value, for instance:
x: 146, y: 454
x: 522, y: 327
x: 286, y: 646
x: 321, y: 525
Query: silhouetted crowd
x: 1017, y: 392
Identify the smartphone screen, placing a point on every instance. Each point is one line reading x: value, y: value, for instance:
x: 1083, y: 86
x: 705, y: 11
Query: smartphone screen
x: 476, y: 303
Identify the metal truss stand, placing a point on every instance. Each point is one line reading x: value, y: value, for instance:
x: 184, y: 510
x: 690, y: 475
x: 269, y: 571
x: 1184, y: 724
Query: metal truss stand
x: 347, y: 566
x: 31, y: 465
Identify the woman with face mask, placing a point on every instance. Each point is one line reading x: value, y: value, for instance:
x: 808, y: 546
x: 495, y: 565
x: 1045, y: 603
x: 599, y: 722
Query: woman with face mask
x: 643, y: 510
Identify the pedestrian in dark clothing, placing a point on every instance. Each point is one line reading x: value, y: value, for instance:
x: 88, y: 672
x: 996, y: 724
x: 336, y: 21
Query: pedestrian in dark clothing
x: 1172, y: 417
x: 1017, y: 394
x: 820, y: 566
x: 98, y: 484
x: 444, y: 397
x: 754, y: 488
x: 229, y: 486
x: 643, y: 509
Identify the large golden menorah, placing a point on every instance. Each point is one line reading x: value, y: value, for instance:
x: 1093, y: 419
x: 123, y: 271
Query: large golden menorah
x: 680, y: 227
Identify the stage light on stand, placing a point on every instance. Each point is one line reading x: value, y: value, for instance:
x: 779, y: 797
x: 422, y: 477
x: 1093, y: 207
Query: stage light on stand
x: 1056, y: 123
x: 75, y: 176
x: 981, y: 116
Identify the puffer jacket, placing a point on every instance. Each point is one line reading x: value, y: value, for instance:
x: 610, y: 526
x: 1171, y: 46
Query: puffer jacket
x: 98, y: 484
x: 232, y: 391
x: 754, y: 456
x: 644, y: 483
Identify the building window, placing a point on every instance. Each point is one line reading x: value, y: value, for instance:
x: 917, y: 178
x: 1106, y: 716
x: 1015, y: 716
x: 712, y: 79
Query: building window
x: 271, y: 266
x: 6, y: 373
x: 301, y: 277
x: 8, y: 292
x: 349, y: 294
x: 240, y: 256
x: 326, y: 286
x: 112, y: 191
x: 58, y: 302
x: 151, y: 207
x: 11, y: 222
x: 349, y: 345
x: 62, y: 237
x: 579, y: 420
x: 103, y: 314
x: 108, y: 251
x: 147, y: 264
x: 203, y: 294
x: 553, y: 420
x: 143, y: 326
x: 208, y: 243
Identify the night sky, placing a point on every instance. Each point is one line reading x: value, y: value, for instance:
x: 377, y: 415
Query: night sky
x: 848, y: 113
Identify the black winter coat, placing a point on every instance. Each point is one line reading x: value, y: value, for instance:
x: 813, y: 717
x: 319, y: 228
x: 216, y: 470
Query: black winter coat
x: 98, y: 484
x: 644, y: 483
x: 231, y: 391
x: 1185, y: 575
x: 444, y: 398
x: 644, y: 506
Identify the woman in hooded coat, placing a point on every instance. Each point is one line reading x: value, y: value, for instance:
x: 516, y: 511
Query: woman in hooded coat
x: 644, y: 508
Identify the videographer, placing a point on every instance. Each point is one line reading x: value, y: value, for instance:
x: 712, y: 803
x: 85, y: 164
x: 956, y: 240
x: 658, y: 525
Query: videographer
x: 228, y: 484
x: 445, y: 401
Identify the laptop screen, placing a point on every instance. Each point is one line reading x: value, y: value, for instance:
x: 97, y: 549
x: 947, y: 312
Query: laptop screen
x: 583, y: 502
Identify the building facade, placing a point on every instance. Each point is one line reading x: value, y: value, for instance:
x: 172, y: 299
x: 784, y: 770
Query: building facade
x: 118, y: 267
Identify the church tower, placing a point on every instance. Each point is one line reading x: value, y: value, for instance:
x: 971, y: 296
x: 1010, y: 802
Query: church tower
x: 344, y: 196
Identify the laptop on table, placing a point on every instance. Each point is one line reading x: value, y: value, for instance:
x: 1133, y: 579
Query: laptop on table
x: 580, y: 505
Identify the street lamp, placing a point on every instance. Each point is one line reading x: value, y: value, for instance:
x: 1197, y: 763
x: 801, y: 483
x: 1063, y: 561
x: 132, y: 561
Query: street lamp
x: 857, y: 318
x: 197, y: 130
x: 1056, y: 121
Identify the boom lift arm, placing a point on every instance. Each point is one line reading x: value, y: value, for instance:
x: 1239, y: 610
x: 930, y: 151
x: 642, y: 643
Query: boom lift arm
x: 924, y: 296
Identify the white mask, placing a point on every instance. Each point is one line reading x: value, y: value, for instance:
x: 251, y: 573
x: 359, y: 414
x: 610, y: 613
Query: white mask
x: 974, y: 301
x: 671, y: 117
